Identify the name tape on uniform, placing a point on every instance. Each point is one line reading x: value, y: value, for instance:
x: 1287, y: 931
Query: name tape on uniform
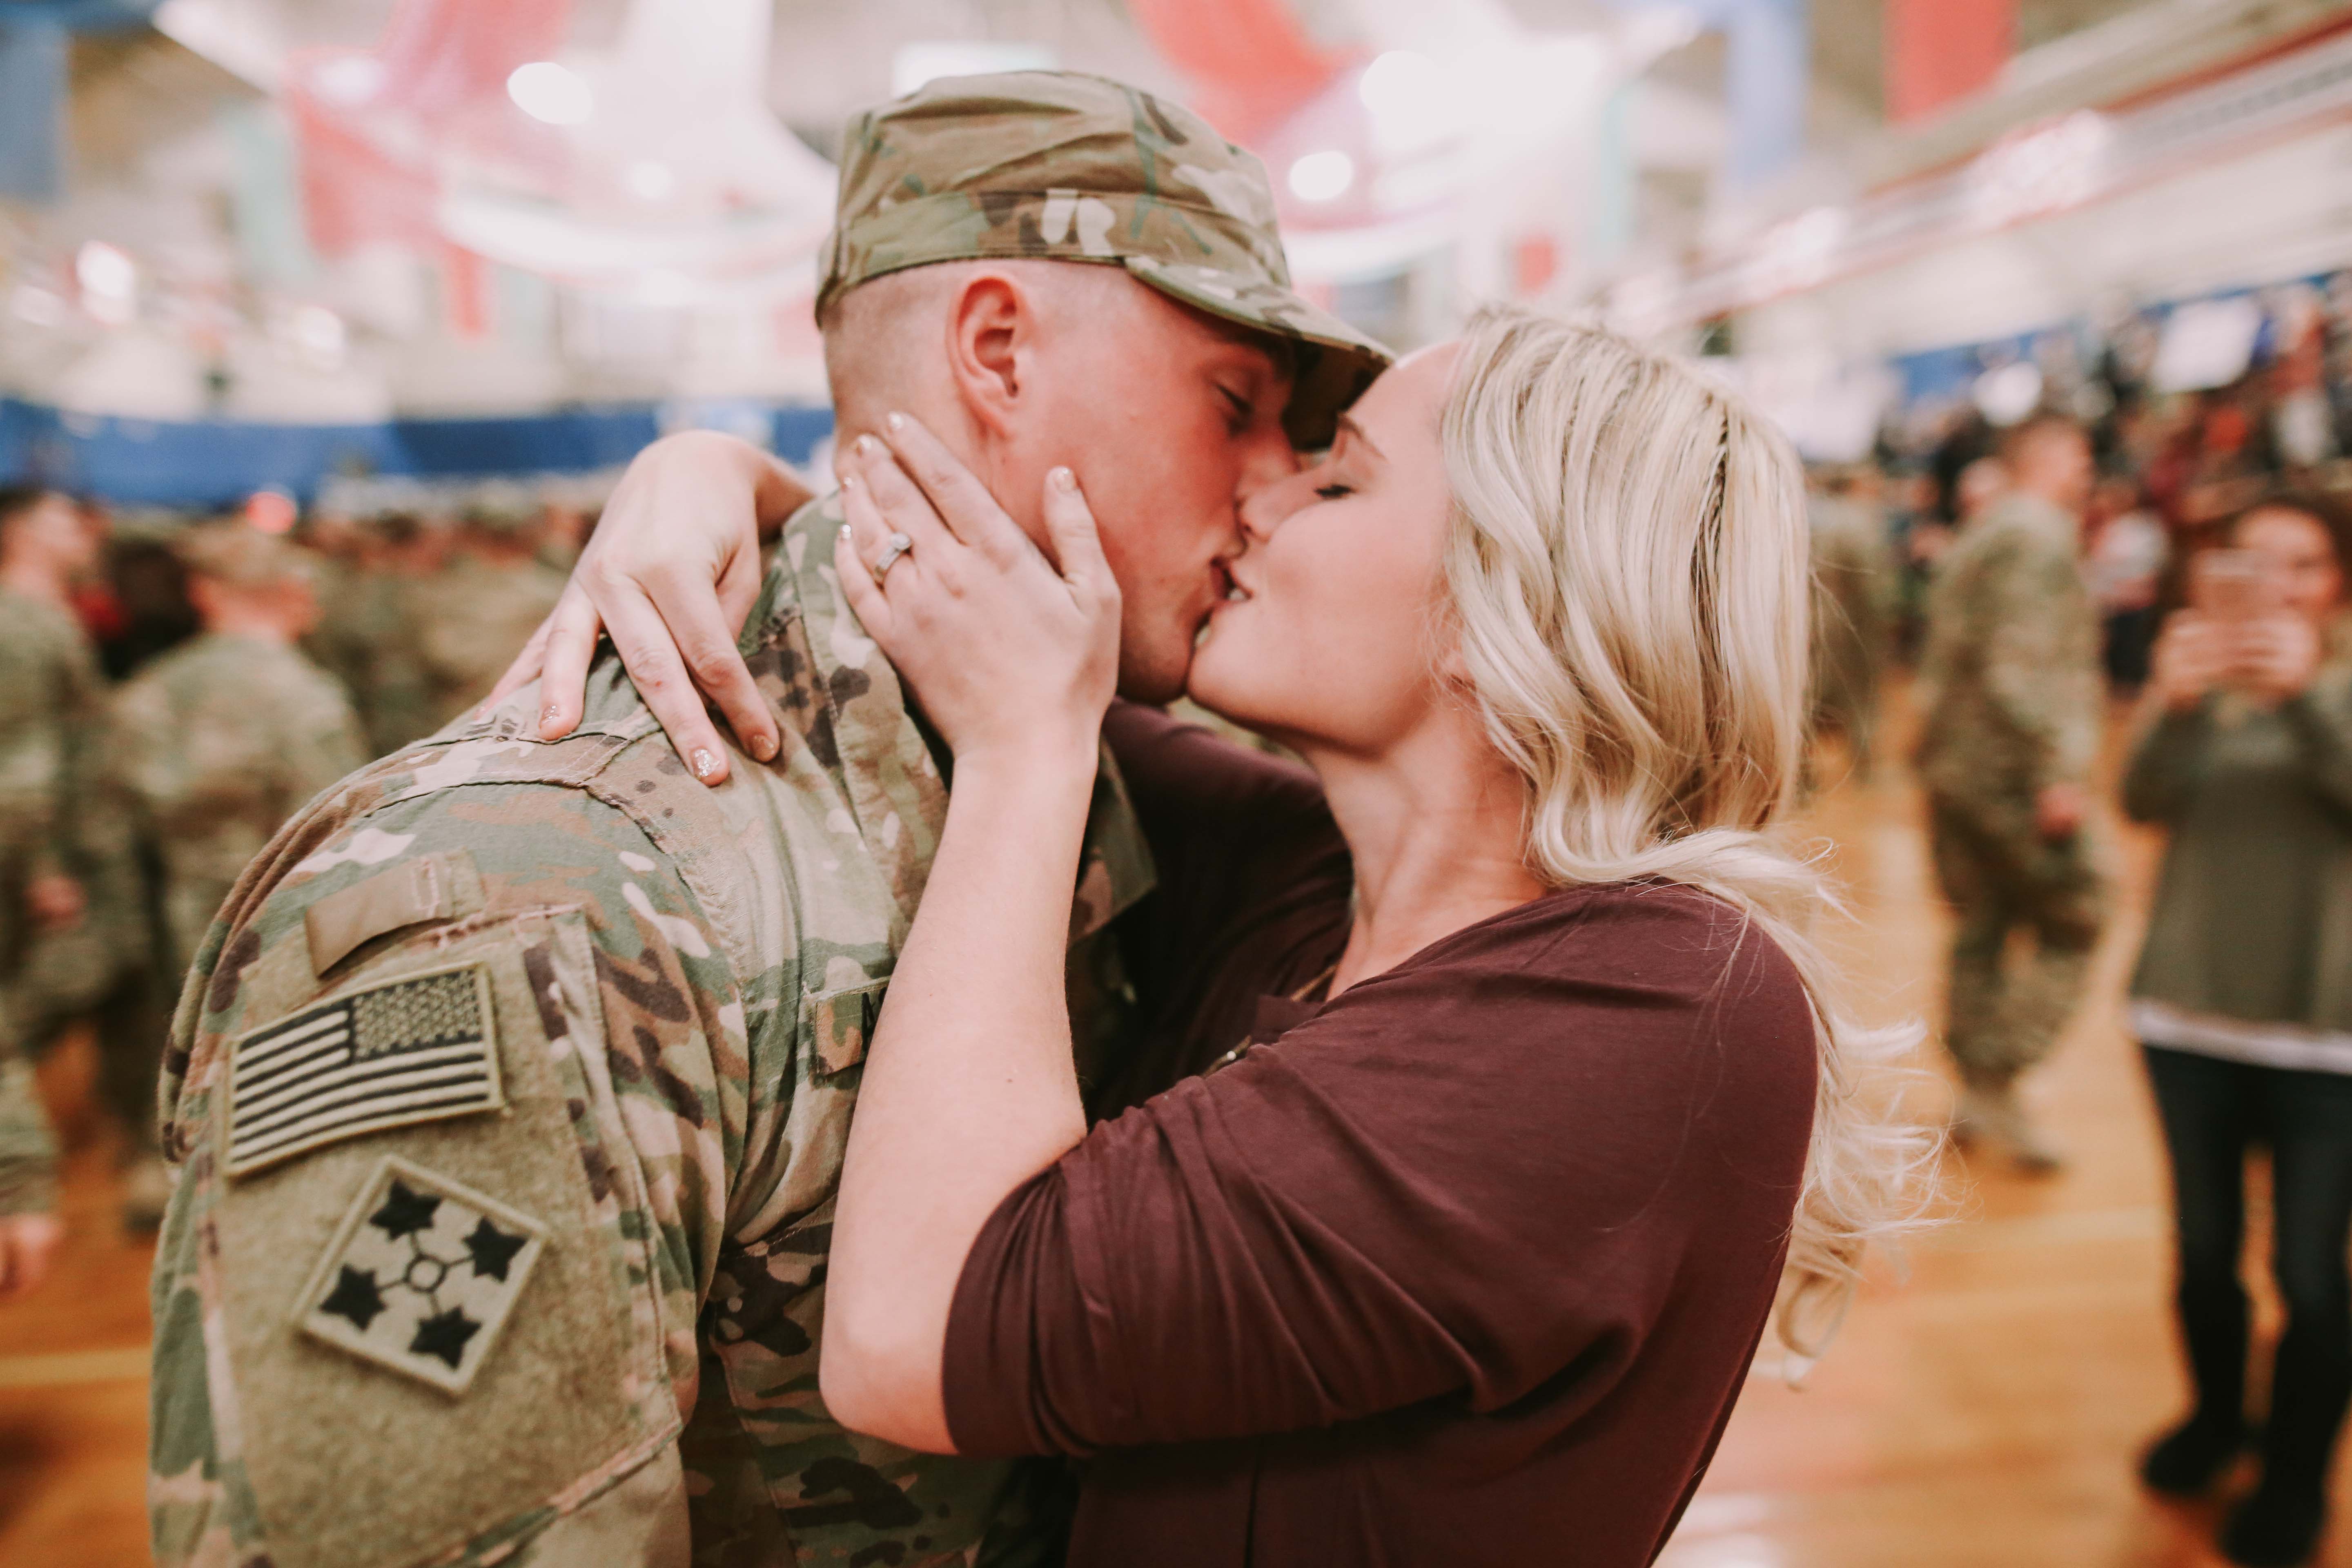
x: 418, y: 1049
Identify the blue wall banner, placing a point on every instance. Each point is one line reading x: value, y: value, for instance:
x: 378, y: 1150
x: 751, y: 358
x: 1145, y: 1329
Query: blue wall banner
x: 32, y: 110
x: 214, y: 463
x: 33, y: 60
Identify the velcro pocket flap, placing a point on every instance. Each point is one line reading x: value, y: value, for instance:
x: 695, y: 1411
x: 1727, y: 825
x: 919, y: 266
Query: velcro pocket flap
x: 429, y: 888
x: 839, y: 1023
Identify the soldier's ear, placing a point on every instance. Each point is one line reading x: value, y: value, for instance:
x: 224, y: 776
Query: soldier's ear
x: 991, y: 330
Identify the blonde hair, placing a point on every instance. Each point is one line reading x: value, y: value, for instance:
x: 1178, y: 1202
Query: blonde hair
x: 1628, y: 567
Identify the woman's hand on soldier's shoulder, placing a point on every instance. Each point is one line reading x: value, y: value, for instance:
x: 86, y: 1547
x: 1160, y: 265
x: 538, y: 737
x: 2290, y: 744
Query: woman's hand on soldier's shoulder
x: 670, y: 573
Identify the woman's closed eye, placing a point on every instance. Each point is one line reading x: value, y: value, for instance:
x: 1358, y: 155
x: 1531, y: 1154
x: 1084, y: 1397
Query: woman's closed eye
x: 1334, y: 490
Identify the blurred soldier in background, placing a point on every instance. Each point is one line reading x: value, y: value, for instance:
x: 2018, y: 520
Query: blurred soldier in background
x: 225, y: 737
x: 471, y: 618
x: 349, y: 558
x: 1853, y: 589
x: 100, y: 968
x: 1980, y: 484
x: 565, y: 521
x: 50, y: 698
x: 367, y: 636
x: 2012, y: 708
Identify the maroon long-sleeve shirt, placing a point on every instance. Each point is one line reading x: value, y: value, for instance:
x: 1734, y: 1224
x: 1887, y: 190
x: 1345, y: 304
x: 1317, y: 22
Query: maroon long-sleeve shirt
x: 1462, y: 1266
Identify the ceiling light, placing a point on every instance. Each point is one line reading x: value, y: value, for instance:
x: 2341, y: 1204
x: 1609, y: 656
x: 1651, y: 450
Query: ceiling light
x: 103, y: 269
x: 1321, y: 176
x: 549, y: 92
x: 352, y: 79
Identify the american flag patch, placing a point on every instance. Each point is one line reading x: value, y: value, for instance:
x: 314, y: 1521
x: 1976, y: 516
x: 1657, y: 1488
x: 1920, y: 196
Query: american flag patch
x: 418, y: 1048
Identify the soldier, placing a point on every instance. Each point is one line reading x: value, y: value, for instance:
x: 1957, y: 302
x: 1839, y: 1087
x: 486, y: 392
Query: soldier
x: 349, y: 560
x: 396, y: 700
x: 368, y: 637
x: 50, y: 696
x: 1853, y: 585
x: 225, y: 737
x: 510, y: 1087
x: 2012, y: 707
x: 469, y: 619
x: 100, y: 968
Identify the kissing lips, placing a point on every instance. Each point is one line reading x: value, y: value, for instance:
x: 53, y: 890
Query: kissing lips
x: 1230, y: 590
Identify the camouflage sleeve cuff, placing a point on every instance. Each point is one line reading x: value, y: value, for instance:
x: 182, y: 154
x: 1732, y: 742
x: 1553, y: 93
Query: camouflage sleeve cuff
x: 28, y: 1155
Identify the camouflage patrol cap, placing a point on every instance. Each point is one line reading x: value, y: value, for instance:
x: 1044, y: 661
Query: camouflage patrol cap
x: 243, y: 557
x: 1070, y: 167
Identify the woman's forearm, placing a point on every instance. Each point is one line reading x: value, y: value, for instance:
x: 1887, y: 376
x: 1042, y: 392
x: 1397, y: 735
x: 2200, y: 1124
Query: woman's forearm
x: 968, y: 1088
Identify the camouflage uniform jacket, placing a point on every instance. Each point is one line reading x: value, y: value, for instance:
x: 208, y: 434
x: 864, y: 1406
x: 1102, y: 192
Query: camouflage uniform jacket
x: 1854, y: 578
x: 469, y: 620
x: 679, y: 981
x: 220, y: 741
x: 366, y: 640
x: 50, y: 697
x: 2013, y: 699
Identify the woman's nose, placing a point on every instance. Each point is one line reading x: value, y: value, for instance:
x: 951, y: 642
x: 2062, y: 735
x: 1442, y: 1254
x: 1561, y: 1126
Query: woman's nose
x: 1269, y: 506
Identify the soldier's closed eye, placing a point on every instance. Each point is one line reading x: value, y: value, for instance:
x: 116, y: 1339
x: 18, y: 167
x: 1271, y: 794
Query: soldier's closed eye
x: 1238, y: 410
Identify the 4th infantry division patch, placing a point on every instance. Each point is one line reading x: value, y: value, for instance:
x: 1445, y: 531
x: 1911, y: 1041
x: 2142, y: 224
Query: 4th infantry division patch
x: 413, y: 1049
x: 421, y: 1275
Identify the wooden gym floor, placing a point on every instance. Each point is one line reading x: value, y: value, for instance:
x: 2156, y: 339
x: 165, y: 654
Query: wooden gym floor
x: 1984, y: 1413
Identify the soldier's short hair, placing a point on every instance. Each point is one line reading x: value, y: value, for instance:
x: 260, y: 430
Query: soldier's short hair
x: 241, y: 557
x: 17, y: 500
x: 2037, y: 427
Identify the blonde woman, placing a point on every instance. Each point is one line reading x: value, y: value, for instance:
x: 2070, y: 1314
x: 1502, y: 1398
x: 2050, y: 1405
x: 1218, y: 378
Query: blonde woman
x: 1524, y: 1093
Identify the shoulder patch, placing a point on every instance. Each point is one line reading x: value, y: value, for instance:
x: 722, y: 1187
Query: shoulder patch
x: 421, y: 1276
x: 418, y: 1049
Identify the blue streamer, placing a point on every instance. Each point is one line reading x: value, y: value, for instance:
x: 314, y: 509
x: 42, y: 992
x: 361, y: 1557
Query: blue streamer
x: 32, y: 108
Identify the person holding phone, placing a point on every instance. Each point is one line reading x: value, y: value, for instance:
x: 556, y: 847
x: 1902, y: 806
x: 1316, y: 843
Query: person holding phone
x: 2242, y: 999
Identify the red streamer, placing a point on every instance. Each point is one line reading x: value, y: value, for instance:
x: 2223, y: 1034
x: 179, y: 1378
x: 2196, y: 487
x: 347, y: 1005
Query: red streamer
x: 1938, y: 51
x: 1253, y: 61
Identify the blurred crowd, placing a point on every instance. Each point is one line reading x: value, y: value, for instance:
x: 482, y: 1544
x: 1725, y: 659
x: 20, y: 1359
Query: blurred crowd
x: 171, y: 690
x: 2177, y: 566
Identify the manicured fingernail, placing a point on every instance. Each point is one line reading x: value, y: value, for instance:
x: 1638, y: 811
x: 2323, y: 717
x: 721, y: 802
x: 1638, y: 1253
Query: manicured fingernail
x: 764, y: 748
x: 868, y: 445
x: 895, y: 422
x: 848, y: 482
x: 1062, y: 479
x: 550, y: 714
x: 705, y: 763
x: 844, y: 530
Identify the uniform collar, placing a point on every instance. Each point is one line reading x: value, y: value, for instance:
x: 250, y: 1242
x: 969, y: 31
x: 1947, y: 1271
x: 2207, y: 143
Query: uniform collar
x: 856, y: 718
